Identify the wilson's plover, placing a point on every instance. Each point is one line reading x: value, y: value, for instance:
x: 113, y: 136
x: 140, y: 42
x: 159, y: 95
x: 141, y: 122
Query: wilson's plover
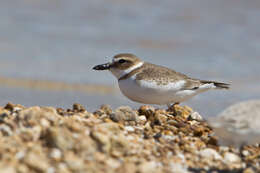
x: 148, y: 83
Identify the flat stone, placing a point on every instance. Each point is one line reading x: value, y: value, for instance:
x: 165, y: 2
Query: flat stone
x: 231, y: 157
x: 210, y: 154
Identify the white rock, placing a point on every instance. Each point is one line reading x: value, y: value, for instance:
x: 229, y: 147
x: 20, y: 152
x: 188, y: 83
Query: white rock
x: 56, y: 154
x: 6, y: 130
x: 169, y: 137
x: 182, y: 157
x: 244, y: 115
x: 231, y: 157
x: 142, y: 118
x: 178, y: 168
x: 113, y: 163
x: 129, y: 128
x: 196, y: 116
x: 51, y: 170
x: 148, y: 166
x: 20, y: 155
x: 45, y: 123
x: 210, y: 153
x: 239, y: 124
x: 245, y: 153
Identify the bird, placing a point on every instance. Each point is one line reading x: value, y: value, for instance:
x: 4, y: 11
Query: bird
x: 148, y: 83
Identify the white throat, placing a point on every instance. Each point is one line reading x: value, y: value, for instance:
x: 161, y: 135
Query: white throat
x: 119, y: 73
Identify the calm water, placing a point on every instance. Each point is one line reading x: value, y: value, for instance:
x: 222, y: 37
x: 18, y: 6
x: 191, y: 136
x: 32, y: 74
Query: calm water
x: 62, y: 41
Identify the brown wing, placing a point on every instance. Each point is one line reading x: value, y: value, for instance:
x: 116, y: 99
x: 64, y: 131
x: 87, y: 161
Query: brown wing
x: 195, y: 84
x: 160, y: 74
x: 163, y: 75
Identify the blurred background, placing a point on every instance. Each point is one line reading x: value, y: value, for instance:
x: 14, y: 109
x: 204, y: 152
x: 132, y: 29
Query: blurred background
x: 48, y: 48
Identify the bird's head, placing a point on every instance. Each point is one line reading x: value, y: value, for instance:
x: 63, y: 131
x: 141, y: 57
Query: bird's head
x: 121, y: 64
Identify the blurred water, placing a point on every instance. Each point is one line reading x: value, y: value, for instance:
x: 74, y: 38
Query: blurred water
x: 63, y: 40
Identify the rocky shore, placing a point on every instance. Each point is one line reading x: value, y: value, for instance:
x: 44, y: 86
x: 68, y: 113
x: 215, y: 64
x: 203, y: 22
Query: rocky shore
x: 147, y: 140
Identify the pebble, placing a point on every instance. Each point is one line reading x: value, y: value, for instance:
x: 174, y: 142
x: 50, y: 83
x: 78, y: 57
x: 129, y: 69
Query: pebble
x: 20, y: 155
x: 179, y: 168
x: 248, y: 170
x: 245, y: 153
x: 6, y: 130
x: 148, y: 167
x: 210, y: 154
x: 7, y: 169
x: 196, y: 116
x: 46, y: 139
x: 231, y: 157
x: 124, y: 113
x: 129, y: 128
x: 56, y: 154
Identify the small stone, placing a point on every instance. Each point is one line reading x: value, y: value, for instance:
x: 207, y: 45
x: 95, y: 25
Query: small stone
x: 128, y: 167
x: 210, y: 154
x: 179, y: 168
x: 198, y: 131
x: 3, y: 114
x: 36, y: 161
x: 157, y: 135
x: 45, y: 123
x: 248, y: 170
x: 129, y: 128
x: 60, y: 111
x: 231, y: 157
x: 7, y: 168
x: 113, y: 163
x: 119, y: 145
x: 106, y: 108
x: 146, y: 110
x: 180, y: 111
x: 78, y: 107
x: 103, y: 141
x: 20, y: 155
x: 147, y: 167
x: 124, y: 113
x: 5, y: 130
x: 142, y: 119
x: 213, y: 140
x: 160, y: 118
x: 22, y: 168
x: 74, y: 163
x: 62, y: 167
x: 56, y: 154
x: 187, y: 108
x: 195, y: 116
x: 100, y: 113
x: 9, y: 106
x: 60, y: 138
x: 51, y: 170
x: 245, y: 153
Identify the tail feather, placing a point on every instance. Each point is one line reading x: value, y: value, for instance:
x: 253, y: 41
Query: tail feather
x: 219, y: 85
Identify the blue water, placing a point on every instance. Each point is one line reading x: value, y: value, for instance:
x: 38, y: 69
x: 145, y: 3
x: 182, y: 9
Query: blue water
x: 62, y: 41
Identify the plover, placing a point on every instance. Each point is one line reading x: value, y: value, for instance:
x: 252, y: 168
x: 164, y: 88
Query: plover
x: 148, y: 83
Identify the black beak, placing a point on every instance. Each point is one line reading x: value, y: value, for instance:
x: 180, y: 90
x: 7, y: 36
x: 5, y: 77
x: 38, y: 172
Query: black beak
x: 102, y: 66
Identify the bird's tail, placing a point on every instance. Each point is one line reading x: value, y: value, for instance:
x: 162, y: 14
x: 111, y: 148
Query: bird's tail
x: 218, y: 85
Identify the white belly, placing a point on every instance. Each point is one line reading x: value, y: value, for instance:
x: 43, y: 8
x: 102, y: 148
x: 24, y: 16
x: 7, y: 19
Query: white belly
x: 151, y: 93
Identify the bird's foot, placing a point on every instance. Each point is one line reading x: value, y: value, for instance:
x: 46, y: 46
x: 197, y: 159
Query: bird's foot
x: 171, y: 108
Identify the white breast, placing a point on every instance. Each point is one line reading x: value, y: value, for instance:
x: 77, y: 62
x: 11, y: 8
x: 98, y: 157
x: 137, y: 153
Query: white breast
x: 149, y: 92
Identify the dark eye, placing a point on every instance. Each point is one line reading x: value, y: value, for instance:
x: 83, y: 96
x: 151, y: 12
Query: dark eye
x: 121, y: 61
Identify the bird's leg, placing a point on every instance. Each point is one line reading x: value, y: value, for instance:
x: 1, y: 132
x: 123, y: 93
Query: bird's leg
x: 172, y: 107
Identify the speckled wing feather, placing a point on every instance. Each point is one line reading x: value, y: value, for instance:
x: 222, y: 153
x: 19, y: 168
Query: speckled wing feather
x: 163, y: 75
